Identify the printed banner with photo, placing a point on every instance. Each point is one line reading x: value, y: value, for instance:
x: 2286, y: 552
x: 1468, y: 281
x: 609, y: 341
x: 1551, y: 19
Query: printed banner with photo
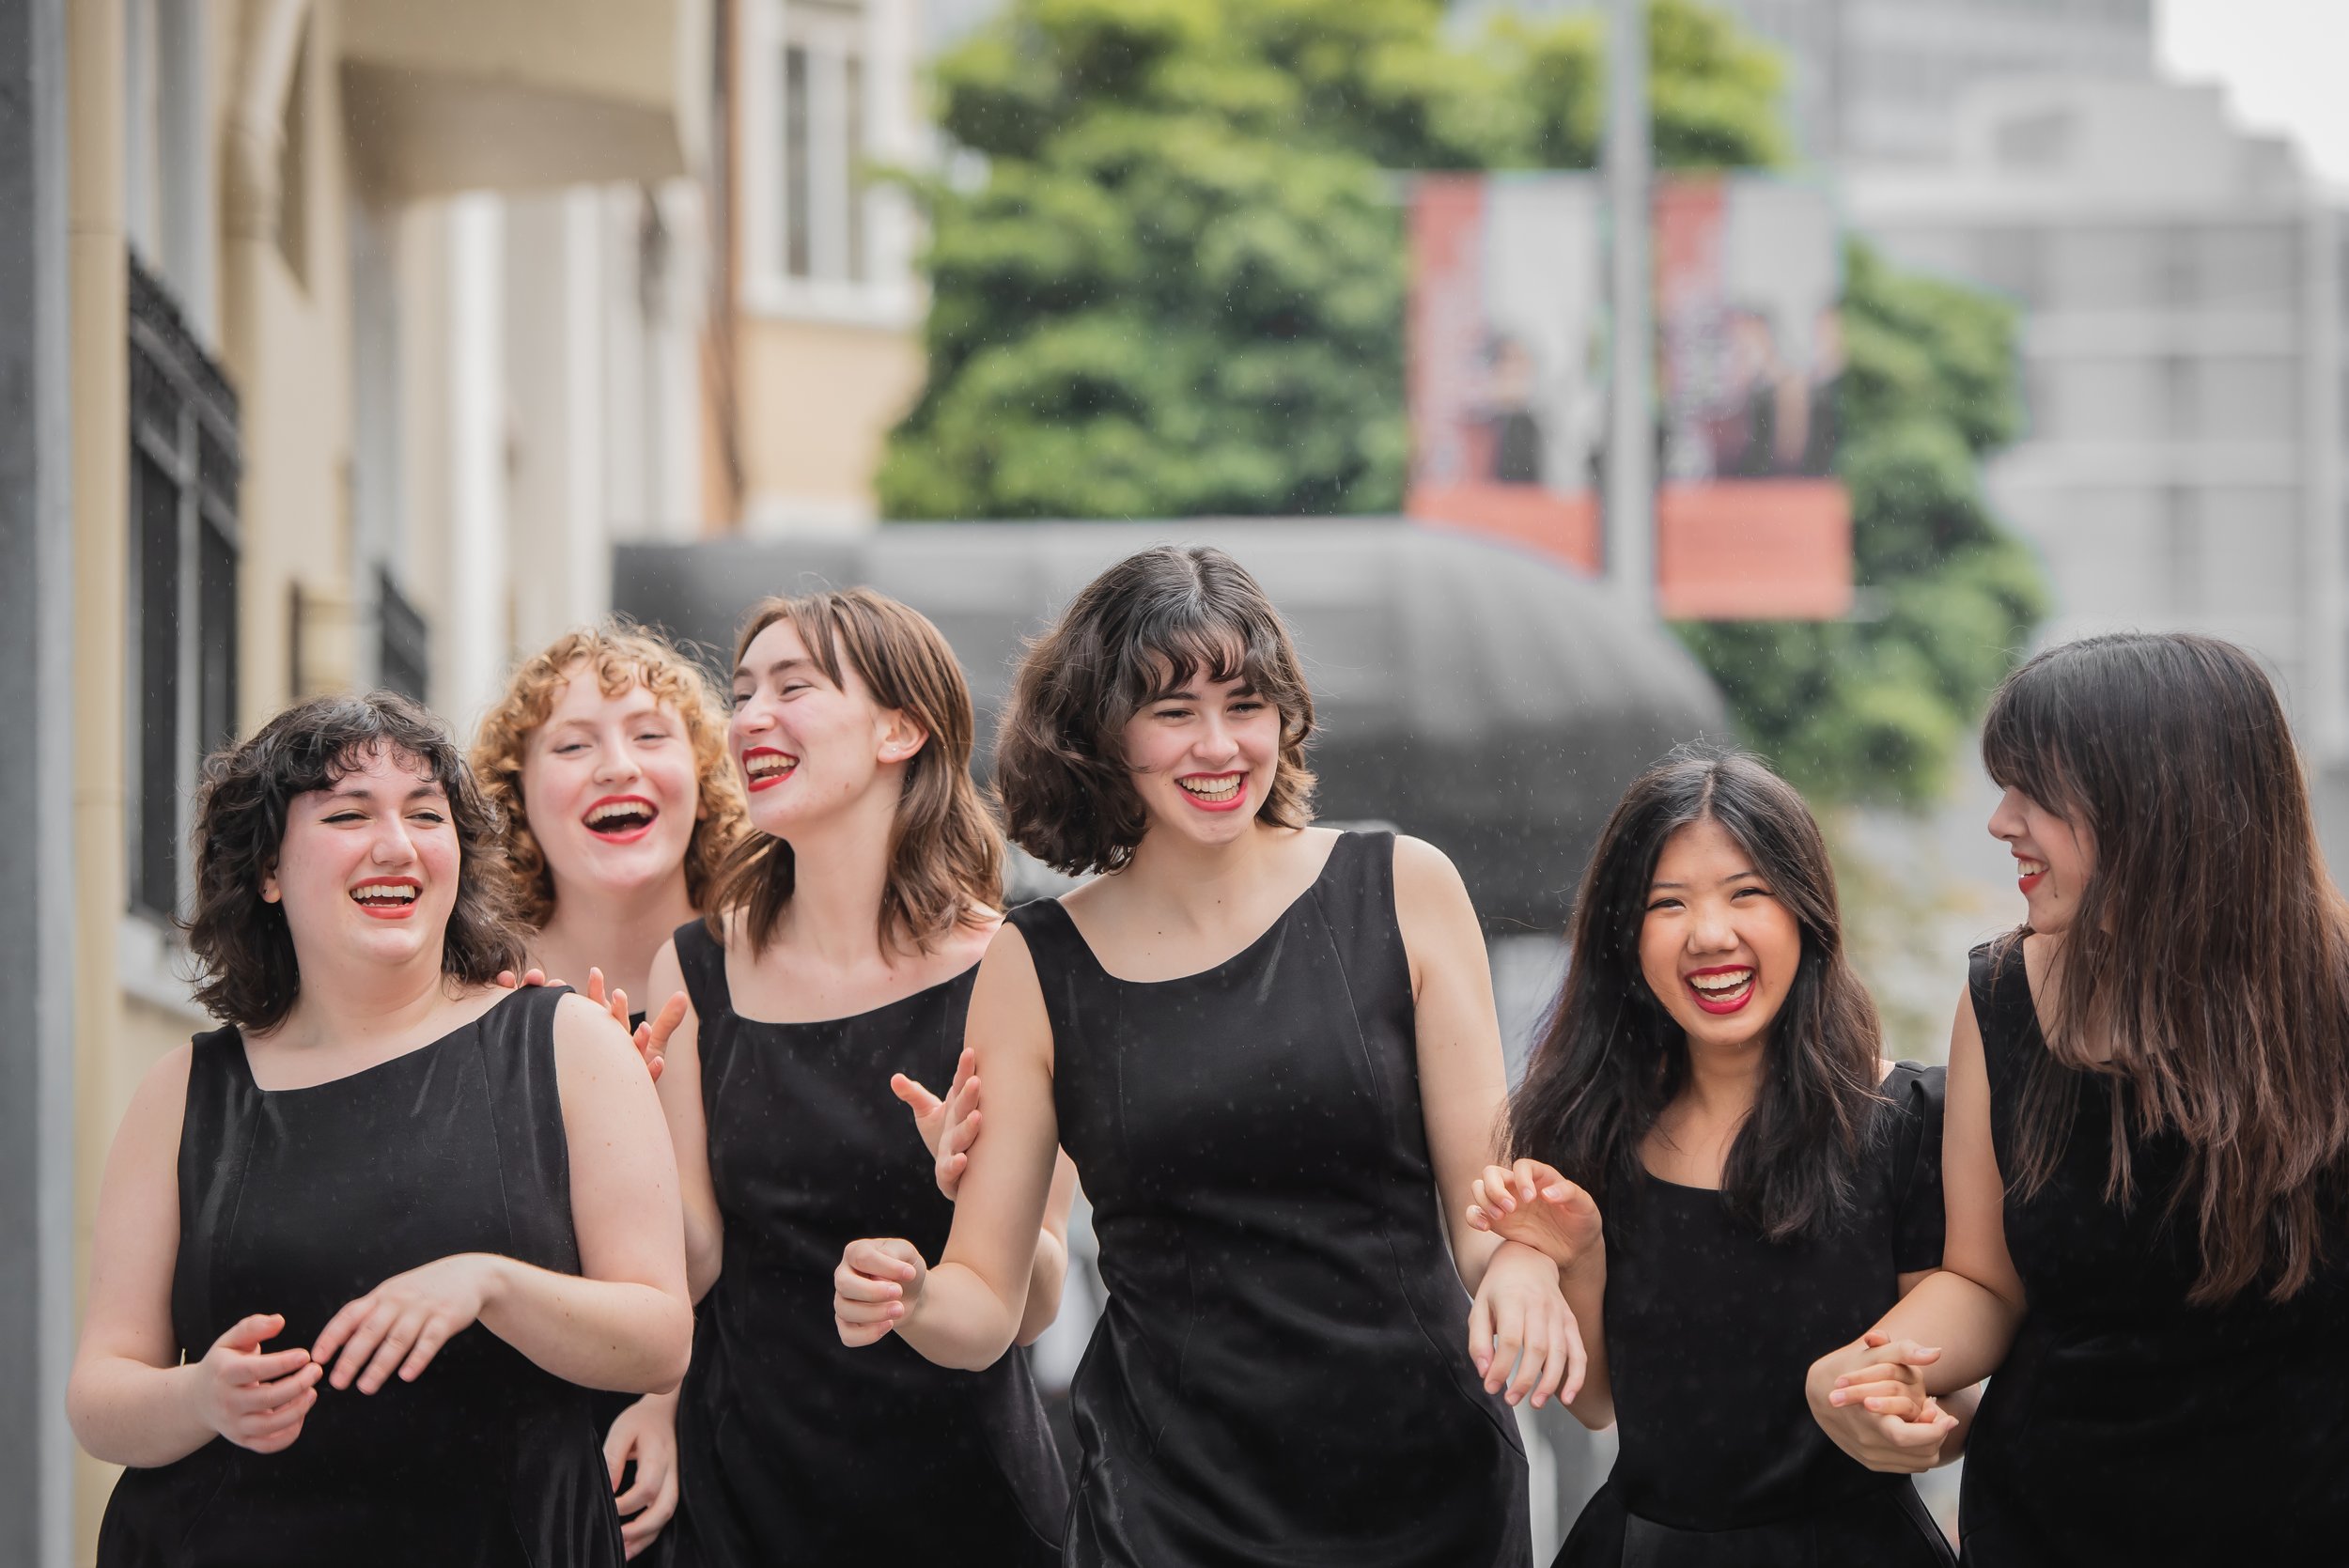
x: 1508, y: 384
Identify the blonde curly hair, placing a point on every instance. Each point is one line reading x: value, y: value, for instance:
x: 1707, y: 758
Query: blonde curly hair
x: 620, y: 655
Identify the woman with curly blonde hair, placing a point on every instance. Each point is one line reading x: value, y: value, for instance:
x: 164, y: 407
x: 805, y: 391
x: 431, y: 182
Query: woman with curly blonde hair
x: 607, y: 759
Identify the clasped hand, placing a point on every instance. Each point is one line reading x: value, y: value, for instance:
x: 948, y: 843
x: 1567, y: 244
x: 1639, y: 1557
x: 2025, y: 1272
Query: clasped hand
x: 1869, y: 1397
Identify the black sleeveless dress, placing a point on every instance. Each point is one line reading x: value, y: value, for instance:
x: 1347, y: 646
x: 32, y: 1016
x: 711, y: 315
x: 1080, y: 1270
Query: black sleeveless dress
x: 298, y: 1200
x: 795, y: 1450
x: 1281, y: 1373
x: 1710, y: 1331
x: 2125, y: 1426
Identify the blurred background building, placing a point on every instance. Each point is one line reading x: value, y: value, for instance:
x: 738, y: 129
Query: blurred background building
x: 345, y: 342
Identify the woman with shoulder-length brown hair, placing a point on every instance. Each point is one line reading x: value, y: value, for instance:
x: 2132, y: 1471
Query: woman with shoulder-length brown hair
x: 606, y: 759
x: 1272, y: 1050
x: 828, y: 984
x: 361, y: 1253
x: 2147, y: 1159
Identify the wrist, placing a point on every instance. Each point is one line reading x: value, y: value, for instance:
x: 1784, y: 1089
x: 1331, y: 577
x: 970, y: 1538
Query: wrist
x: 494, y: 1273
x: 187, y: 1392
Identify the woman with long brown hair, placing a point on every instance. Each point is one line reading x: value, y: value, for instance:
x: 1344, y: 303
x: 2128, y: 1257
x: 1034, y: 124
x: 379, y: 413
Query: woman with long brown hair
x: 2147, y: 1158
x: 1728, y: 1176
x: 606, y: 760
x: 828, y: 984
x: 1272, y: 1050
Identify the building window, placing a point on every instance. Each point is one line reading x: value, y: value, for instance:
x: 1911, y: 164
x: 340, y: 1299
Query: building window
x: 403, y: 657
x: 185, y: 460
x: 830, y: 81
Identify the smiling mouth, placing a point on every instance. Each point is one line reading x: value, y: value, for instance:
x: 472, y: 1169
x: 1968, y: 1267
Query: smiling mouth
x: 1722, y: 990
x: 1214, y: 791
x: 625, y: 819
x: 389, y: 899
x: 767, y: 768
x: 2028, y: 873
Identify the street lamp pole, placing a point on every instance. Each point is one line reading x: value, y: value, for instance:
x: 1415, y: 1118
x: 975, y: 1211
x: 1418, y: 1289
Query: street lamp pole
x: 1630, y: 521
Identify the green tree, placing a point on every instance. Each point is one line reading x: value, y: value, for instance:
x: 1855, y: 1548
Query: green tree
x: 1171, y: 284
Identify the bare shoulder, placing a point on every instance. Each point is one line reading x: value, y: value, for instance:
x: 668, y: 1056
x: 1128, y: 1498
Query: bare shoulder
x: 160, y: 1103
x: 1421, y: 867
x: 587, y: 1038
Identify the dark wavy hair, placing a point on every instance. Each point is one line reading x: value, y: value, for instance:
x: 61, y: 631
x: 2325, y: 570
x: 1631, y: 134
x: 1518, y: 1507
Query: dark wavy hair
x: 2207, y: 966
x: 1137, y: 631
x: 244, y: 953
x: 1612, y: 1058
x: 945, y: 858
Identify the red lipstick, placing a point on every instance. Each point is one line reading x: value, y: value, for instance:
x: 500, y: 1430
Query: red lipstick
x: 1722, y: 1002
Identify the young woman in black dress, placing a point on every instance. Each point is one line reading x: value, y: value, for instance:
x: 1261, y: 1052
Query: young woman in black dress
x: 853, y: 920
x: 606, y: 758
x: 360, y: 1253
x: 1272, y: 1051
x: 1710, y: 1083
x: 2147, y: 1164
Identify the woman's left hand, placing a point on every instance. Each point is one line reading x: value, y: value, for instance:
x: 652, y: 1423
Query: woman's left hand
x: 651, y: 1036
x: 1521, y: 1332
x: 401, y: 1324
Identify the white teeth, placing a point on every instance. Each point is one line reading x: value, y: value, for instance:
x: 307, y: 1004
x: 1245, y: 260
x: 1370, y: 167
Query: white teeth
x: 769, y: 765
x: 1218, y: 789
x: 386, y: 895
x: 2029, y: 868
x: 607, y: 813
x: 1720, y: 984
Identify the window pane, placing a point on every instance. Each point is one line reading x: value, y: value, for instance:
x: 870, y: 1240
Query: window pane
x: 216, y: 640
x: 798, y: 205
x: 854, y: 92
x: 155, y: 638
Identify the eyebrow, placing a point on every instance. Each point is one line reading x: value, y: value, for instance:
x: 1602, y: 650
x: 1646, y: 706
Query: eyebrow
x: 743, y: 671
x: 358, y: 792
x: 1733, y: 877
x: 1186, y: 694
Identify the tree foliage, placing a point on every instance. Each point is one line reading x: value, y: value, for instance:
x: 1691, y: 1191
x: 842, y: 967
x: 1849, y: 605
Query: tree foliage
x: 1170, y: 282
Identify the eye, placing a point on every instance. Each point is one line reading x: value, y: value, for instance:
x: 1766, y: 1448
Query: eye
x: 740, y: 698
x: 567, y: 747
x: 432, y: 819
x: 345, y: 817
x: 1663, y: 904
x: 1248, y: 705
x: 1755, y: 892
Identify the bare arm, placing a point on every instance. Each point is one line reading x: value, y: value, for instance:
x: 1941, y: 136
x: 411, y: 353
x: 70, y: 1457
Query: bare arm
x: 1522, y: 1336
x: 680, y: 1092
x: 968, y: 1311
x: 1050, y: 1270
x: 130, y: 1399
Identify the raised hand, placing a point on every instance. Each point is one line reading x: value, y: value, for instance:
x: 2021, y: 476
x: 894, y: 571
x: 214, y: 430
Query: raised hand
x: 644, y: 1435
x: 1870, y: 1398
x: 256, y: 1399
x: 401, y: 1324
x: 877, y: 1284
x: 1531, y: 1203
x: 1522, y: 1335
x: 948, y: 1126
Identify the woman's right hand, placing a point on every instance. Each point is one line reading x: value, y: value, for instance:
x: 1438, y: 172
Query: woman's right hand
x: 877, y: 1284
x: 1531, y: 1203
x: 256, y: 1399
x: 646, y: 1436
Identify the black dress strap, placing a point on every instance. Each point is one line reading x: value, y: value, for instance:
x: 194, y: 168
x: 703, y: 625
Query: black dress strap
x: 2003, y: 1010
x: 703, y: 959
x: 1918, y: 1095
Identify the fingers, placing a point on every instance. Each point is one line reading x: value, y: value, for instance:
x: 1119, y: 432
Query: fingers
x: 1508, y: 1343
x: 1480, y: 1335
x: 1498, y: 1189
x: 619, y: 1444
x: 509, y: 979
x: 918, y: 1099
x: 595, y: 986
x: 254, y: 1399
x: 640, y: 1532
x: 1577, y: 1361
x: 250, y: 1333
x: 267, y: 1368
x: 269, y: 1431
x: 338, y: 1328
x: 652, y: 1469
x: 406, y: 1329
x: 427, y: 1346
x: 665, y: 1024
x: 1532, y: 1363
x: 883, y: 1259
x: 365, y: 1335
x: 620, y: 1007
x: 1558, y: 1362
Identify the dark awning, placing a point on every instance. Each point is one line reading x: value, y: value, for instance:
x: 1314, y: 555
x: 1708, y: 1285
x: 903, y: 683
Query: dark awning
x: 1485, y: 698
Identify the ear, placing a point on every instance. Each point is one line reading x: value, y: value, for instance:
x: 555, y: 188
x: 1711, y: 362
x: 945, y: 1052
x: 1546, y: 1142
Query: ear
x: 270, y: 890
x: 902, y: 736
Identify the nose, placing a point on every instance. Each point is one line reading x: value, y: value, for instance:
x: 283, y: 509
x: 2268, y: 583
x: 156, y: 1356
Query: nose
x: 1216, y: 745
x: 615, y: 763
x: 393, y: 846
x: 1711, y: 930
x: 2006, y: 820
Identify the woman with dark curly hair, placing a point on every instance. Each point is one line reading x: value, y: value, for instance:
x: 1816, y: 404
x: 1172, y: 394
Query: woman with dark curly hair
x: 448, y: 1206
x: 1272, y: 1050
x: 607, y: 760
x: 829, y: 981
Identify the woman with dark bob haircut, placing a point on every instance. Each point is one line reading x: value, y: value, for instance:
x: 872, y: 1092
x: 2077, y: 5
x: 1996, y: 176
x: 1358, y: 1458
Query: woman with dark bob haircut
x: 1272, y: 1051
x: 361, y: 1253
x: 2148, y: 1153
x: 1710, y: 1081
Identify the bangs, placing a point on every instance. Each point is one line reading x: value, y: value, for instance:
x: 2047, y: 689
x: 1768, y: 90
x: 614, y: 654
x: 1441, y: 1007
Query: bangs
x: 2023, y: 744
x: 1178, y: 644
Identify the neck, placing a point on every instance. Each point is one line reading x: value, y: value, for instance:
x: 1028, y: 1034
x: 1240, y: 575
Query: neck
x: 617, y: 932
x: 1200, y: 881
x: 349, y: 1003
x: 1723, y: 1083
x: 840, y: 871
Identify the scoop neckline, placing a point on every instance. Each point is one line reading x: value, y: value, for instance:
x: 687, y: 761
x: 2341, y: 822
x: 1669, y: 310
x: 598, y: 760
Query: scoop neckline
x: 1258, y: 941
x: 739, y: 1016
x: 244, y: 1057
x: 1891, y: 1072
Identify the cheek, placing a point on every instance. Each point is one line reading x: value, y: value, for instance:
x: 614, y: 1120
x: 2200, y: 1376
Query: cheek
x: 1660, y: 955
x: 1777, y: 941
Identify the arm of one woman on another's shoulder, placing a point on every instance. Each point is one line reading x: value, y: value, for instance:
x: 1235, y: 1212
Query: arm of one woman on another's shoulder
x: 680, y: 1091
x: 129, y: 1353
